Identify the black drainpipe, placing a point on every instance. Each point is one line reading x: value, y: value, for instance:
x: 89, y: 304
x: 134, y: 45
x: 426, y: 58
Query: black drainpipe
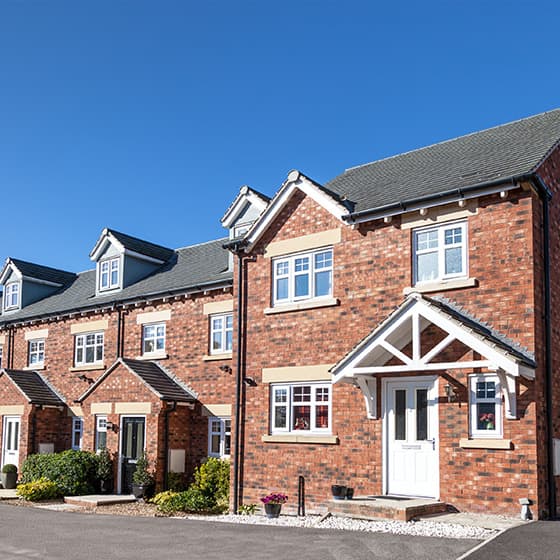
x: 545, y: 196
x: 168, y: 410
x: 119, y: 332
x: 10, y: 353
x: 239, y: 379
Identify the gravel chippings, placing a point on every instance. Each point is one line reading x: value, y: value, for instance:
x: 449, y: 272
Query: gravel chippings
x: 414, y: 528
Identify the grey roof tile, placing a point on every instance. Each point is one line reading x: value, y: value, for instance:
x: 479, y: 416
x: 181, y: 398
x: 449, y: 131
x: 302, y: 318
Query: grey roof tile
x: 502, y: 152
x: 33, y: 386
x: 143, y: 247
x: 40, y: 272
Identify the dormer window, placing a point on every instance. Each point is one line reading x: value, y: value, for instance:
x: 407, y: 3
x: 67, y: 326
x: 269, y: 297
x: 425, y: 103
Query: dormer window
x: 11, y: 295
x: 109, y: 274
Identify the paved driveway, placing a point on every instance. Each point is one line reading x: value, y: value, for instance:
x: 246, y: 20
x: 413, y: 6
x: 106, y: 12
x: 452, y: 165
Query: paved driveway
x: 32, y: 533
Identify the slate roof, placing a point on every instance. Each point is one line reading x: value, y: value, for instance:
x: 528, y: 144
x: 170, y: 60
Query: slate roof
x: 189, y: 268
x: 33, y: 386
x: 500, y: 153
x: 153, y: 375
x: 40, y: 272
x: 140, y: 246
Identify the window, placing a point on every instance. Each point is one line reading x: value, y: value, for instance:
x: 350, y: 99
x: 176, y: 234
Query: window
x: 109, y: 276
x: 77, y: 431
x: 219, y: 437
x: 89, y: 349
x: 440, y: 252
x: 485, y: 406
x: 36, y: 352
x: 100, y: 432
x: 11, y: 295
x: 296, y: 408
x: 221, y: 333
x: 241, y: 230
x: 153, y: 338
x: 302, y: 276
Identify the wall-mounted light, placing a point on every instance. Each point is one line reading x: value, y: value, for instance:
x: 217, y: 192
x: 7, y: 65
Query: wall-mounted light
x: 112, y: 426
x: 250, y: 382
x: 225, y: 369
x: 83, y: 377
x: 450, y: 392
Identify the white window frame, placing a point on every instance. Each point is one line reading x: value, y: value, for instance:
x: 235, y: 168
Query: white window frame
x: 77, y: 430
x: 106, y: 269
x: 153, y: 338
x: 497, y: 432
x: 440, y: 250
x: 11, y: 295
x: 218, y: 426
x: 290, y: 403
x: 100, y: 428
x: 290, y: 264
x: 36, y: 352
x: 80, y: 343
x: 222, y: 331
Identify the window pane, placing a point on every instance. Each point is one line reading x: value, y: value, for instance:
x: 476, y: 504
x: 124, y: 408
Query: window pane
x: 216, y: 444
x: 323, y: 283
x: 149, y: 331
x: 217, y: 341
x: 160, y: 344
x: 227, y: 444
x: 282, y: 288
x: 453, y: 236
x: 400, y: 414
x: 302, y: 285
x: 99, y: 354
x: 229, y: 340
x: 486, y: 416
x: 280, y: 395
x: 280, y: 417
x: 302, y: 393
x: 282, y: 268
x: 148, y: 346
x: 453, y: 261
x: 427, y: 267
x: 301, y: 264
x: 322, y: 416
x: 426, y: 240
x: 302, y: 417
x: 421, y: 414
x: 323, y: 260
x: 160, y: 331
x: 89, y: 355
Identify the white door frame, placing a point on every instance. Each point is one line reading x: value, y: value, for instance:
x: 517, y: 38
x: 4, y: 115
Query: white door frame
x: 120, y: 435
x: 385, y: 403
x: 5, y: 421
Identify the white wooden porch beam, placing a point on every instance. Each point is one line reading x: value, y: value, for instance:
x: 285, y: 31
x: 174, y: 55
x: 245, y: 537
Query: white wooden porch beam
x: 369, y: 389
x: 396, y: 352
x: 438, y: 348
x: 419, y: 367
x: 510, y: 397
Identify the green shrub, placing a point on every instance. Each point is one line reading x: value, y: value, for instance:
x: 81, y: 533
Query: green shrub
x: 176, y: 482
x: 189, y: 501
x: 248, y: 509
x: 9, y: 468
x: 212, y: 479
x: 74, y: 472
x: 142, y: 475
x: 41, y: 489
x: 104, y: 469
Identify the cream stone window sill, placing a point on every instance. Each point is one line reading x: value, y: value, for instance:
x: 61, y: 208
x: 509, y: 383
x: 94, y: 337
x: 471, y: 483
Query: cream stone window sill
x: 302, y: 306
x: 454, y: 284
x: 91, y: 367
x: 153, y: 356
x: 485, y: 443
x: 34, y: 368
x: 293, y: 438
x: 215, y: 357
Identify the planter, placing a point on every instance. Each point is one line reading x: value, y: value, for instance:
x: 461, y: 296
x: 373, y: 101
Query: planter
x: 9, y: 480
x: 349, y: 493
x: 338, y: 492
x: 141, y: 490
x: 272, y: 510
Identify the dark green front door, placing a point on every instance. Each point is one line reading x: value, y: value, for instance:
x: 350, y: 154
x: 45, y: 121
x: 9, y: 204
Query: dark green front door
x: 132, y: 446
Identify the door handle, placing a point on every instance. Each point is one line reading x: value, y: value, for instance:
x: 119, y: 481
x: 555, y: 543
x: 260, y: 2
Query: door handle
x: 433, y: 444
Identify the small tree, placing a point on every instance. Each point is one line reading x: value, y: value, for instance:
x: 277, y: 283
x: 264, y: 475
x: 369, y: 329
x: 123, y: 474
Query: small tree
x: 142, y: 475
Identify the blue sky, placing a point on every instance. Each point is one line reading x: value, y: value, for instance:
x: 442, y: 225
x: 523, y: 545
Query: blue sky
x: 148, y: 115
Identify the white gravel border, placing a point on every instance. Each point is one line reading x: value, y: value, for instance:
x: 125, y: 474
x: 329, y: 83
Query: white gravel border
x: 413, y: 528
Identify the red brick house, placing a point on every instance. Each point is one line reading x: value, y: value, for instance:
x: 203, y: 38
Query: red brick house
x: 394, y: 330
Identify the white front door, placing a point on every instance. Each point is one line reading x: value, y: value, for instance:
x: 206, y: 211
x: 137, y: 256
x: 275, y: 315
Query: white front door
x: 10, y: 439
x: 411, y: 436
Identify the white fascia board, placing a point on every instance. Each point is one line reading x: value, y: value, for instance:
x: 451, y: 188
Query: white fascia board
x: 245, y: 196
x: 140, y: 256
x: 414, y: 206
x: 9, y: 266
x: 282, y: 198
x: 106, y: 238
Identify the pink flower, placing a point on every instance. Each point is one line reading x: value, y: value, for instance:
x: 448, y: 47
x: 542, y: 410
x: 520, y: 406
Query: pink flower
x: 274, y: 499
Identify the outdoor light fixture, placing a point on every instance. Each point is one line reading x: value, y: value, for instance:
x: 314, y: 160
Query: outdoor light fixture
x: 450, y: 392
x: 226, y: 369
x: 83, y: 377
x: 112, y: 426
x: 250, y: 382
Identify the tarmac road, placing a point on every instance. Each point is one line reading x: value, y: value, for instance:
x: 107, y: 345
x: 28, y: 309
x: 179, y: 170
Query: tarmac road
x: 30, y: 533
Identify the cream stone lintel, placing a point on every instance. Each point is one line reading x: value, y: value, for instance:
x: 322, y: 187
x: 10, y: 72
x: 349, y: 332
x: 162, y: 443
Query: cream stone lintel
x: 33, y: 368
x: 101, y: 408
x: 213, y: 307
x: 292, y: 438
x: 153, y: 317
x: 297, y: 373
x: 215, y: 357
x: 153, y: 356
x: 90, y: 326
x: 216, y: 410
x: 485, y: 443
x: 91, y: 367
x: 34, y: 335
x: 302, y: 306
x: 439, y: 214
x: 11, y: 410
x: 133, y: 408
x: 2, y: 339
x: 303, y: 243
x: 442, y: 285
x: 76, y: 411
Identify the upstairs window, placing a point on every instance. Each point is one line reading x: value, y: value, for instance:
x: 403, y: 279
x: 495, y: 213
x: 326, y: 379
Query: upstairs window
x: 221, y: 333
x: 89, y: 349
x: 11, y: 295
x: 440, y: 253
x: 153, y: 339
x: 303, y: 276
x: 36, y: 352
x: 485, y: 406
x: 109, y: 274
x: 301, y: 408
x: 219, y: 437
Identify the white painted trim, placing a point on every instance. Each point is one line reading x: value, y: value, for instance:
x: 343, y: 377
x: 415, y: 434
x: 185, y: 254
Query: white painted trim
x: 142, y: 257
x: 9, y: 266
x: 214, y: 307
x: 34, y: 335
x: 42, y: 282
x: 217, y: 357
x: 368, y: 385
x: 441, y: 286
x: 245, y: 196
x: 290, y: 438
x: 312, y: 303
x: 309, y: 242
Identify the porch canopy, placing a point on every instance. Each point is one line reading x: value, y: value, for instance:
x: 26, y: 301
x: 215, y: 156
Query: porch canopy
x: 430, y: 335
x: 34, y: 388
